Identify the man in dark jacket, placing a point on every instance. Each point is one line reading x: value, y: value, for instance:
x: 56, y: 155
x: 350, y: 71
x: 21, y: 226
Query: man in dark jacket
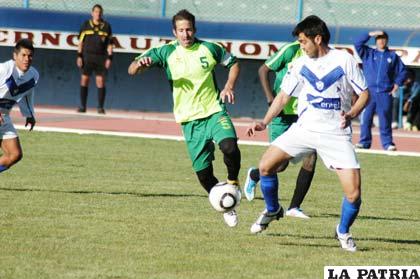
x: 384, y: 72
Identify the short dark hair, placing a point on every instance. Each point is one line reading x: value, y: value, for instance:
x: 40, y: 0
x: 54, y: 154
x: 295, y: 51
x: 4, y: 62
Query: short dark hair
x: 313, y: 26
x: 24, y: 43
x: 183, y: 14
x: 97, y: 6
x: 384, y: 36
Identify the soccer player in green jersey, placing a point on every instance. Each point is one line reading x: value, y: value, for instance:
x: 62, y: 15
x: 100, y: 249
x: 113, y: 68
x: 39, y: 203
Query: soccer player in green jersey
x: 280, y: 63
x: 198, y: 104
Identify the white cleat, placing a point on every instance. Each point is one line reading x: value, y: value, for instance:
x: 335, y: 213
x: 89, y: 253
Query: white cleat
x: 346, y: 241
x: 296, y: 212
x: 265, y: 219
x: 391, y: 148
x: 231, y: 218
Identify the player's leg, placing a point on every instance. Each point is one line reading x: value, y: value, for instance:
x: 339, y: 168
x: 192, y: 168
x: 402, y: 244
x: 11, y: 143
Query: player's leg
x: 351, y: 183
x: 84, y: 85
x: 100, y: 84
x: 366, y: 120
x: 303, y: 182
x: 338, y: 154
x: 220, y: 128
x: 272, y: 159
x: 384, y: 110
x: 12, y: 153
x: 201, y: 152
x: 275, y: 129
x: 100, y: 72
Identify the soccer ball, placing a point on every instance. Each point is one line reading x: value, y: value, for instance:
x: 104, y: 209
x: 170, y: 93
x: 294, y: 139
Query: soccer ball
x: 224, y: 197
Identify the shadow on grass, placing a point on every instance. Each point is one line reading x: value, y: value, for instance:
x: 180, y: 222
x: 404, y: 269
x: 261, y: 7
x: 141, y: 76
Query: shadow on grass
x: 364, y: 217
x: 104, y: 193
x: 377, y: 239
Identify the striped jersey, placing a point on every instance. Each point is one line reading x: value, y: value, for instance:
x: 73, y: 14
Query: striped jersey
x: 279, y: 63
x: 324, y: 87
x: 191, y: 74
x: 17, y: 87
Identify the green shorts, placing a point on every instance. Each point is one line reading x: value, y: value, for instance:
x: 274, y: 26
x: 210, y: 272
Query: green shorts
x: 199, y: 135
x: 279, y: 125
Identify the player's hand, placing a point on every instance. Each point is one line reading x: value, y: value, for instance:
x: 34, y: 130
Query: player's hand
x: 227, y: 94
x: 79, y: 62
x: 394, y: 90
x: 256, y: 126
x: 345, y: 120
x: 376, y: 33
x: 144, y: 61
x: 31, y: 121
x: 108, y: 63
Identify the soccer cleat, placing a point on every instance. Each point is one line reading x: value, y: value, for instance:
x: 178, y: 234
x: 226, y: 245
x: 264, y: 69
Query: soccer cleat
x: 391, y: 148
x: 250, y: 186
x: 346, y: 241
x: 101, y: 111
x: 231, y: 218
x: 265, y: 219
x: 296, y: 212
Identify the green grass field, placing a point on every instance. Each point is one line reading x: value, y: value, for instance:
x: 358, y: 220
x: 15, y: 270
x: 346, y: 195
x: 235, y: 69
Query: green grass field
x: 112, y: 207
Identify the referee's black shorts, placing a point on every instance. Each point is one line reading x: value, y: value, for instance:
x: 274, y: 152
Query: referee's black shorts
x: 94, y: 63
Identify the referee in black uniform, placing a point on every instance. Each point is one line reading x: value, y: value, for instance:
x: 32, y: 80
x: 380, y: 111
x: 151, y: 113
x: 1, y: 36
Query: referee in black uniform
x: 94, y: 54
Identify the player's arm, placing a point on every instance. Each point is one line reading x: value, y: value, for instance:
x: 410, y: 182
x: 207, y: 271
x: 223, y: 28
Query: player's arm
x: 355, y: 110
x: 228, y: 91
x: 26, y: 106
x: 109, y: 49
x: 276, y: 107
x: 140, y: 65
x: 263, y: 73
x: 79, y: 60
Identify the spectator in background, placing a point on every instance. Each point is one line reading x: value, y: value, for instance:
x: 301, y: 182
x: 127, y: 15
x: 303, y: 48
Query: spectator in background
x: 94, y: 54
x: 412, y: 105
x: 384, y: 73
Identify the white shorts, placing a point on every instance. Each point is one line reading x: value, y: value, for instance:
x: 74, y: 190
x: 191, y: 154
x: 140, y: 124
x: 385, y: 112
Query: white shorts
x: 336, y: 151
x: 7, y: 130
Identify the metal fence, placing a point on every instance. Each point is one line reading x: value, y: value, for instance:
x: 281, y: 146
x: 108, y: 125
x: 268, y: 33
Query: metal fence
x: 357, y: 13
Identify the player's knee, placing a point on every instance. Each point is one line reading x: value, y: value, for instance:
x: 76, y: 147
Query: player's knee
x: 229, y: 146
x: 353, y: 196
x: 13, y: 158
x: 266, y: 168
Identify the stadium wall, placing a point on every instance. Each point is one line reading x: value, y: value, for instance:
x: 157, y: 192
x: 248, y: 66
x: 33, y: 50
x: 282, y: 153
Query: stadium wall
x: 55, y: 36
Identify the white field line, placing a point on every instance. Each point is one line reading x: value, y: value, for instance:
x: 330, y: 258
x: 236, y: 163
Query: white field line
x: 180, y: 138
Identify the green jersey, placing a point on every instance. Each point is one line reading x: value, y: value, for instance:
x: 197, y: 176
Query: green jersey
x: 279, y: 62
x: 190, y: 72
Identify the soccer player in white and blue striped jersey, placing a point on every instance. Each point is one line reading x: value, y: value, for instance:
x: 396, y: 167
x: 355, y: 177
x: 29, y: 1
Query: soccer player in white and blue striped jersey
x: 17, y: 81
x: 324, y: 81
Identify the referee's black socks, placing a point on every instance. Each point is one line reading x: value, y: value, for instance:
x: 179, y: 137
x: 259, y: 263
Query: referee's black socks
x: 83, y: 96
x: 101, y: 97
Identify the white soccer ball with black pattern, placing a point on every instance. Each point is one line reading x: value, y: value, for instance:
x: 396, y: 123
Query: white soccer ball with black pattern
x: 224, y: 197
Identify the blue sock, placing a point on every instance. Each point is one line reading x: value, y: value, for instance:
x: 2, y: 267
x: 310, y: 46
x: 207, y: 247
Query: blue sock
x: 349, y: 213
x: 2, y: 168
x: 269, y: 188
